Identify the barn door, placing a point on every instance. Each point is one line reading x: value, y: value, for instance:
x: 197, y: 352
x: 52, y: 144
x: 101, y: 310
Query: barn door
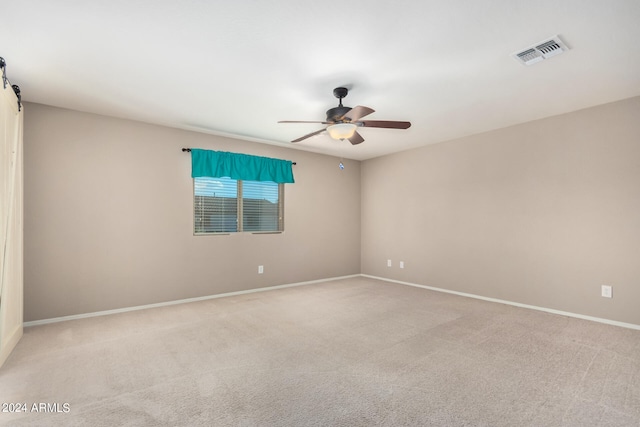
x: 11, y: 184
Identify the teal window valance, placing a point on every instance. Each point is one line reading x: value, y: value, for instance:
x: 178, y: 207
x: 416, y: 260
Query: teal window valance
x: 218, y: 164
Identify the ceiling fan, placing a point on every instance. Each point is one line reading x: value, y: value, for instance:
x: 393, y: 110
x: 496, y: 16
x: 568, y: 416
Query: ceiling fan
x: 344, y: 121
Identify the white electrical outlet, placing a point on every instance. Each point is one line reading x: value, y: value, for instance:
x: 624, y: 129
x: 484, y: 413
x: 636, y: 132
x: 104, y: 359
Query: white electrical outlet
x: 401, y: 264
x: 260, y: 269
x: 607, y: 291
x: 388, y: 263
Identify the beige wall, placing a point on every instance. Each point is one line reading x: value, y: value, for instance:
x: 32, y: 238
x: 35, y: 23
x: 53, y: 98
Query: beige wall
x: 542, y: 213
x: 108, y: 218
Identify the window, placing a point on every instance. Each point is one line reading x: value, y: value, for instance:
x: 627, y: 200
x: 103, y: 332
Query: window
x: 225, y: 205
x: 250, y: 198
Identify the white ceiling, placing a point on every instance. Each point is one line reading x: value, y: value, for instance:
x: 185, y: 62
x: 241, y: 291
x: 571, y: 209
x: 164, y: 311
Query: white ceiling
x: 237, y: 67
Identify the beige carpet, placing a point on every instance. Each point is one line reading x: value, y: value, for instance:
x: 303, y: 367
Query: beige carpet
x: 355, y: 352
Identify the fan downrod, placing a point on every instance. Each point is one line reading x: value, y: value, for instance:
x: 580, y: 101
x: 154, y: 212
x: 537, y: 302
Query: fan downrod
x: 333, y: 114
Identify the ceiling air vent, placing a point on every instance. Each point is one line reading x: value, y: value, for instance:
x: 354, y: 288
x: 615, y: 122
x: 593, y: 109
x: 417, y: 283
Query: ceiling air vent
x: 543, y: 50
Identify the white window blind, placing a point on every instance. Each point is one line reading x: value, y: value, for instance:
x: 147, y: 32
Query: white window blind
x: 224, y: 205
x: 215, y: 205
x: 260, y: 206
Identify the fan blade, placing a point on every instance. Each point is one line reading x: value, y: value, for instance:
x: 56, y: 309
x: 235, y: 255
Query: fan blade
x: 384, y: 124
x: 356, y: 139
x: 297, y: 121
x: 356, y: 113
x: 308, y: 135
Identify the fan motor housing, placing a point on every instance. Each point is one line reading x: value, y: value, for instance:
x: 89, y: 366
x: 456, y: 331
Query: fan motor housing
x: 333, y: 114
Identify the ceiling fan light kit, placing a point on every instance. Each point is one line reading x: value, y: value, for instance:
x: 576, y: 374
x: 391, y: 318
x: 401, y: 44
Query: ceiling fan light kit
x: 342, y: 130
x: 343, y: 122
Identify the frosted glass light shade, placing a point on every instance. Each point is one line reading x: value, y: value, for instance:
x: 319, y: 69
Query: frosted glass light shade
x: 342, y: 130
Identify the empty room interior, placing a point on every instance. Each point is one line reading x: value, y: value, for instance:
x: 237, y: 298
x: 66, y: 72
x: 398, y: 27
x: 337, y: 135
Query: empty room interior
x: 301, y: 214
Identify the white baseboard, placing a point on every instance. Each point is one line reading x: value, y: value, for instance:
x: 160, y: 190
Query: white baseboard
x: 516, y: 304
x: 181, y: 301
x: 271, y: 288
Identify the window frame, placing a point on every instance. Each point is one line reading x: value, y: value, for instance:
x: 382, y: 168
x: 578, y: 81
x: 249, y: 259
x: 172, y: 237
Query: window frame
x: 240, y: 198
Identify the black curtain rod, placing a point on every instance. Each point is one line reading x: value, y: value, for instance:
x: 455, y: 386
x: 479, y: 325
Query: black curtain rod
x: 188, y: 150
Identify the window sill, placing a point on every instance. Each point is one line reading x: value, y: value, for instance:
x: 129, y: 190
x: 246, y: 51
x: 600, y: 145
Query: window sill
x: 237, y: 232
